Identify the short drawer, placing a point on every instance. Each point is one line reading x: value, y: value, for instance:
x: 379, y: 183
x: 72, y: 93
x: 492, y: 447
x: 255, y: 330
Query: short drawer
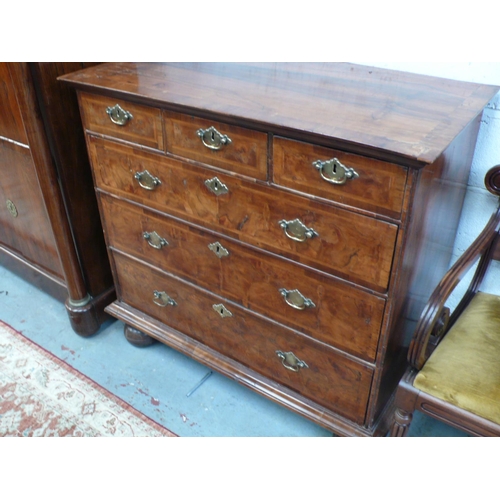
x: 329, y: 310
x: 229, y: 147
x: 337, y: 176
x: 134, y: 123
x: 331, y: 379
x: 337, y: 241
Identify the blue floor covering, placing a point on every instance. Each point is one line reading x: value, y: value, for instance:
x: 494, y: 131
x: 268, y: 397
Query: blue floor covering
x: 156, y: 380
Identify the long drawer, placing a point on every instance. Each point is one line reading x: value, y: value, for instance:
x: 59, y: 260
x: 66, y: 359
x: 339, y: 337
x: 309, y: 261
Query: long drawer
x: 323, y: 308
x: 349, y: 245
x: 289, y: 358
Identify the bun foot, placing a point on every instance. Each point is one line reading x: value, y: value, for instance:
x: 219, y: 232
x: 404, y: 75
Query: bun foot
x: 137, y: 338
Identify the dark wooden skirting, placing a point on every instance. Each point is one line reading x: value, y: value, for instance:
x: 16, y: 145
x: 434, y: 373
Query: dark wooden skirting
x: 33, y: 274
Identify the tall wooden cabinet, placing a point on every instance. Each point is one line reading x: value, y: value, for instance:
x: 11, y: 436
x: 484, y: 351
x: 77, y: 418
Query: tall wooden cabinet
x: 50, y: 232
x: 281, y: 223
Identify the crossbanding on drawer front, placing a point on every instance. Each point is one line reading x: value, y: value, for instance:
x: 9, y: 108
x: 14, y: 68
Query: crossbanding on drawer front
x: 232, y: 148
x: 337, y: 382
x: 334, y: 175
x: 123, y: 120
x: 349, y: 245
x: 324, y: 308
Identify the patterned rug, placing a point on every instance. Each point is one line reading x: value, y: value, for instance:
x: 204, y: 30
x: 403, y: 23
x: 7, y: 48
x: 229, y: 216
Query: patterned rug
x: 40, y: 395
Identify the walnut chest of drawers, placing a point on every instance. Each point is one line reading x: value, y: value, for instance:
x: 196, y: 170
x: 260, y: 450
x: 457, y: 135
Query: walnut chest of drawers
x: 281, y: 223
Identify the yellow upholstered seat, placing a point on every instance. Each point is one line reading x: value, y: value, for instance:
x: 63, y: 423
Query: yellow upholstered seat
x: 464, y: 369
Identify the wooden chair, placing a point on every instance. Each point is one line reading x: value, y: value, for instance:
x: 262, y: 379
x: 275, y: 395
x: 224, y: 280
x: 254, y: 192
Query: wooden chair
x: 454, y: 361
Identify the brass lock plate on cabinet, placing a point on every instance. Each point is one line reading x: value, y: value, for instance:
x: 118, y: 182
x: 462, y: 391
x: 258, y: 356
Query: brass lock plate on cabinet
x: 11, y: 208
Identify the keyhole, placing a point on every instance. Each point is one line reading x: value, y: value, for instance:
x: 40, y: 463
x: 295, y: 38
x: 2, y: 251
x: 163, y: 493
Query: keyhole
x: 217, y: 248
x: 212, y: 135
x: 216, y: 185
x: 222, y: 311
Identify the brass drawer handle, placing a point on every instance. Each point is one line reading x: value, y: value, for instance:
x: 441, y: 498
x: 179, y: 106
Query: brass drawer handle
x: 212, y: 138
x: 216, y: 186
x: 222, y: 310
x: 297, y: 231
x: 290, y: 361
x: 146, y: 180
x: 218, y: 249
x: 155, y: 240
x: 296, y: 300
x: 334, y: 171
x: 118, y: 115
x: 162, y: 299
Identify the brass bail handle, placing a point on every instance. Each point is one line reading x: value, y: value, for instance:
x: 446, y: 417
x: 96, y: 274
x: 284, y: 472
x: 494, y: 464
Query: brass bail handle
x: 334, y: 172
x: 162, y: 299
x: 297, y: 231
x: 290, y: 361
x: 212, y: 138
x: 296, y: 300
x: 154, y: 240
x: 146, y: 180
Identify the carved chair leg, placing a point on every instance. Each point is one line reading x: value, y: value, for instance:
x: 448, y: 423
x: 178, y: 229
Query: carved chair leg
x: 401, y: 424
x: 137, y: 338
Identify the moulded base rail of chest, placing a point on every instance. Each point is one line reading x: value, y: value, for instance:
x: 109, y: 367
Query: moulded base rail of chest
x: 283, y: 224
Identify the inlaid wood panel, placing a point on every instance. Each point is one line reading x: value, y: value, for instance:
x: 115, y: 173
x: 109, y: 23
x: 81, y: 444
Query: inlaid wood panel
x: 375, y: 185
x: 330, y: 379
x: 349, y: 245
x: 245, y: 151
x: 29, y: 232
x: 341, y: 315
x: 144, y: 127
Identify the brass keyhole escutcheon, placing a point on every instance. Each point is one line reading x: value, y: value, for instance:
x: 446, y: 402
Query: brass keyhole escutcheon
x: 216, y: 186
x: 222, y: 310
x: 11, y: 208
x: 218, y: 249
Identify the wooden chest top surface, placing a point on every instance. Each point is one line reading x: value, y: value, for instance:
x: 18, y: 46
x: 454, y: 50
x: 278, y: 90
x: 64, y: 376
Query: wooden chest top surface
x: 399, y: 115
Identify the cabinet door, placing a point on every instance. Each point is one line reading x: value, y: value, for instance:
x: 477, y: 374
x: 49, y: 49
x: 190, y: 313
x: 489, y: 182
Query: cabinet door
x: 24, y: 225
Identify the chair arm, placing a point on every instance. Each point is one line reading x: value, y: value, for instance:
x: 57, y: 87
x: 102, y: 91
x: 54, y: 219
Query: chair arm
x: 434, y: 318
